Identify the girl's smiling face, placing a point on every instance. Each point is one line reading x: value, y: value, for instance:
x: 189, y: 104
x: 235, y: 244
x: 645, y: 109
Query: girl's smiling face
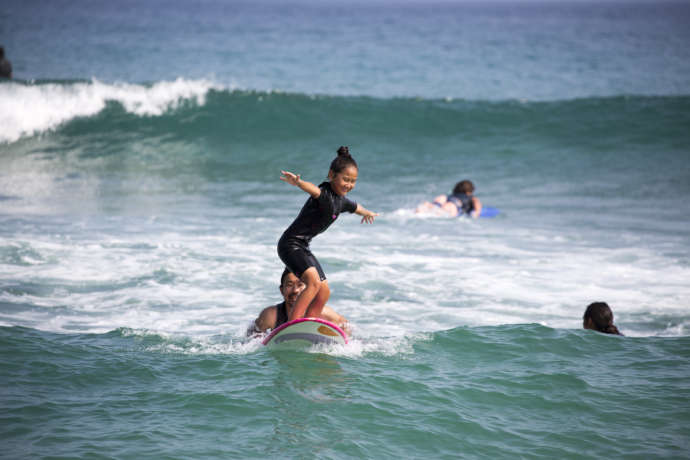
x: 344, y: 181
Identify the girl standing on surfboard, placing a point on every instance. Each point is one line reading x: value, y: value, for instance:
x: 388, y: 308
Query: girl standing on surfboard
x: 323, y: 207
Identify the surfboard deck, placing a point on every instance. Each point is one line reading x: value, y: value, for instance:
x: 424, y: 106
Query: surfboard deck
x: 488, y: 211
x: 305, y: 332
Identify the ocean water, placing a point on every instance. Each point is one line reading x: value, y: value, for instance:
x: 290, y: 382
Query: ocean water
x: 141, y: 146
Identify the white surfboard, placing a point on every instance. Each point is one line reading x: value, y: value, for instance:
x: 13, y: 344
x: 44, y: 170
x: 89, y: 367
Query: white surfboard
x: 305, y: 332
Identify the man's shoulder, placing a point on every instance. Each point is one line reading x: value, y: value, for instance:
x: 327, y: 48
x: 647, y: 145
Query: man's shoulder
x: 268, y: 310
x: 275, y: 305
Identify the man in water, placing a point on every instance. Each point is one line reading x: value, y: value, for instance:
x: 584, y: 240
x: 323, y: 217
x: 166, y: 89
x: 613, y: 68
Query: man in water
x: 5, y: 66
x: 275, y: 315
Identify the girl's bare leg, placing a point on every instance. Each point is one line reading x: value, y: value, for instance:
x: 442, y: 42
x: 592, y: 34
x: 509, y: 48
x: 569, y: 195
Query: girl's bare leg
x: 320, y: 299
x: 450, y: 208
x: 424, y: 207
x: 312, y: 282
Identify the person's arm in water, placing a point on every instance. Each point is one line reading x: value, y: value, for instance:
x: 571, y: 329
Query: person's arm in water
x: 295, y: 179
x: 477, y: 207
x: 266, y: 320
x: 367, y: 216
x: 334, y: 317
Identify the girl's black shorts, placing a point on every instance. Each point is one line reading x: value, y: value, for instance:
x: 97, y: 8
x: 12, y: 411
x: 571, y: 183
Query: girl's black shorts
x: 297, y: 257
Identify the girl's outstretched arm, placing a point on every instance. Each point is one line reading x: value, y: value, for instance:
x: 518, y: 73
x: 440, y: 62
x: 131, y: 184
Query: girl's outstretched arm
x: 367, y: 216
x: 294, y: 179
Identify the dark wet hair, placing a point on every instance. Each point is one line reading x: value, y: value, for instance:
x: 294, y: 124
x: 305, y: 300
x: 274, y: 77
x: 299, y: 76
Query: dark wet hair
x: 602, y: 317
x: 464, y: 186
x: 2, y: 52
x: 282, y: 277
x: 343, y: 160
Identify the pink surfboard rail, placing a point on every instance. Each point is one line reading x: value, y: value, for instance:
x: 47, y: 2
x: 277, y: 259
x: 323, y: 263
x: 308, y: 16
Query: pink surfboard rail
x: 300, y: 320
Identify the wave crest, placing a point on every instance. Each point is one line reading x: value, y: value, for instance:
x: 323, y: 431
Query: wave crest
x: 32, y: 108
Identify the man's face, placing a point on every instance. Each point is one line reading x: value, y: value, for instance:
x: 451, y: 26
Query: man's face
x: 291, y: 289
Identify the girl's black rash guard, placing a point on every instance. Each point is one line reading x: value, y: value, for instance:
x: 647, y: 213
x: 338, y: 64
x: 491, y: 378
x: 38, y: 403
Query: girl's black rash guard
x: 318, y: 214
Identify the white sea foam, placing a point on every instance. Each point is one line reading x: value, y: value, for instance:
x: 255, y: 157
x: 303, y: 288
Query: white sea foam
x: 396, y: 281
x: 29, y: 109
x: 414, y: 281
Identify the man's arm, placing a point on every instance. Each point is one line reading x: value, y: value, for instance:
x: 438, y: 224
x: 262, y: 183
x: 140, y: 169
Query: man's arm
x: 294, y: 179
x: 266, y: 320
x: 336, y: 318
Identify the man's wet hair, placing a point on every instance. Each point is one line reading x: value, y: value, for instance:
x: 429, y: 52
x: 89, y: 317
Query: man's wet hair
x: 282, y: 277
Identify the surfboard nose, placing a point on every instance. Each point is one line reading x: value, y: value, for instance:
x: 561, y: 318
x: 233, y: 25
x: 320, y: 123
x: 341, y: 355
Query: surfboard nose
x: 306, y: 332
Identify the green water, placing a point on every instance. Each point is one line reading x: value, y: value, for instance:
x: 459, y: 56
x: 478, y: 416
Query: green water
x: 490, y: 392
x: 141, y: 145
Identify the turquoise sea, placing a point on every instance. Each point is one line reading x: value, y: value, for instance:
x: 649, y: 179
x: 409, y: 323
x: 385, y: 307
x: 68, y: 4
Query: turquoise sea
x: 141, y: 145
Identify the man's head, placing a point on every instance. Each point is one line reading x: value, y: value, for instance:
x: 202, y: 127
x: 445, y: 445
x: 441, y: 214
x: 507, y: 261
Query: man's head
x: 290, y: 288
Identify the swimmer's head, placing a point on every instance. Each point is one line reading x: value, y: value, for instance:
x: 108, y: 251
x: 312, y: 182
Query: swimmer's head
x: 599, y: 317
x: 464, y: 186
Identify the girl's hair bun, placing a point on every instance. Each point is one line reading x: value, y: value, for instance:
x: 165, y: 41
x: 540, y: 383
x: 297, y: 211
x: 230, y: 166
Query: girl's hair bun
x: 343, y: 160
